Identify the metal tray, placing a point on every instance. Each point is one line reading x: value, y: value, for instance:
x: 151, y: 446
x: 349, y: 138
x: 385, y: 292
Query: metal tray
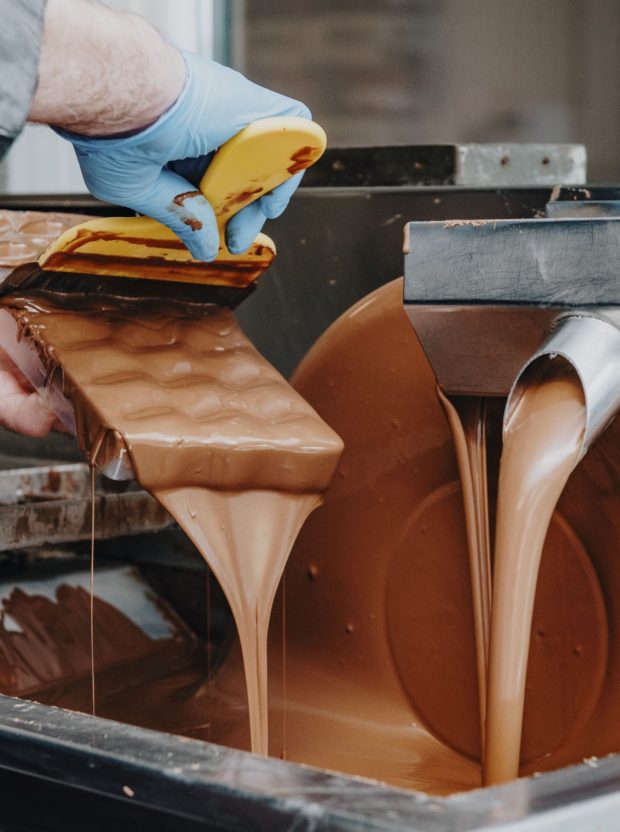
x: 63, y: 770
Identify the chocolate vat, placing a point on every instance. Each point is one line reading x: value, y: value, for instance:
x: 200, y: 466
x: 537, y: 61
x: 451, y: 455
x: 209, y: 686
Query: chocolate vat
x: 386, y: 561
x: 77, y: 766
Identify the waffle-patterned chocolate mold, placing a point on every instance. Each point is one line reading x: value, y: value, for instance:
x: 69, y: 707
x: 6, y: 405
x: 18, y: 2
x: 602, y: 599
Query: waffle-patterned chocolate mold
x: 24, y: 235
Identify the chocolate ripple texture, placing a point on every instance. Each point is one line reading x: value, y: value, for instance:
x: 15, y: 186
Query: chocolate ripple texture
x: 194, y: 401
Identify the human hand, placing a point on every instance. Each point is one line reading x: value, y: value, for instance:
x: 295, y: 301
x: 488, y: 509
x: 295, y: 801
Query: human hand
x: 22, y: 409
x: 148, y: 169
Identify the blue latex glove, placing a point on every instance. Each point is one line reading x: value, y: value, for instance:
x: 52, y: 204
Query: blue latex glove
x: 146, y: 170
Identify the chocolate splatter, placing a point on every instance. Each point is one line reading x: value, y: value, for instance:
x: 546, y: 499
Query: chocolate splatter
x: 180, y: 198
x: 193, y: 223
x: 239, y: 198
x: 303, y: 158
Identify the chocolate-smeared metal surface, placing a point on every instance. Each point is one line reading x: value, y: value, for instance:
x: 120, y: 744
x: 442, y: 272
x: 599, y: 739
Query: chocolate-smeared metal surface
x: 45, y: 650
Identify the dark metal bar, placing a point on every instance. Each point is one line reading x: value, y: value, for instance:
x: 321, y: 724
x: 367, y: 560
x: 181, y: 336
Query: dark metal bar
x: 468, y: 165
x: 498, y: 287
x: 567, y: 262
x: 335, y: 245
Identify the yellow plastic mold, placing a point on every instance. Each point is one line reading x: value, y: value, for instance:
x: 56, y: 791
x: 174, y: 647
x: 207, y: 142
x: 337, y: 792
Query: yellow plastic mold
x: 252, y: 163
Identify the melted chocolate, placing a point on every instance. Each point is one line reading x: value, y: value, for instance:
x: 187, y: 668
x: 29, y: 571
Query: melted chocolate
x: 213, y: 432
x: 541, y: 448
x: 194, y: 401
x: 381, y: 669
x: 180, y: 198
x: 396, y: 696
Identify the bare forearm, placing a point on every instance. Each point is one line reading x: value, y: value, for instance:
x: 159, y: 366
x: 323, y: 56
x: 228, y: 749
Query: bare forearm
x: 103, y: 72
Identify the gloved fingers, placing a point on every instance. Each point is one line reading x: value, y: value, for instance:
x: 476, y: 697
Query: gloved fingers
x: 242, y: 229
x: 137, y: 171
x: 274, y: 203
x: 175, y: 202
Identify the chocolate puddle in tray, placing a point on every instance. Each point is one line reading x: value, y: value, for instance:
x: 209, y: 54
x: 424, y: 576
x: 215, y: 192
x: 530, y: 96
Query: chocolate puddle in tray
x: 213, y: 431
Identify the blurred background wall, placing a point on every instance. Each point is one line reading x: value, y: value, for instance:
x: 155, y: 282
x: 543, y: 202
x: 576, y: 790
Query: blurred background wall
x: 402, y: 72
x: 430, y: 71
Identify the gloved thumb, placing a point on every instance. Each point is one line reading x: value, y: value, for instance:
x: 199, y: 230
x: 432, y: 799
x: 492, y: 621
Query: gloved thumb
x: 175, y: 202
